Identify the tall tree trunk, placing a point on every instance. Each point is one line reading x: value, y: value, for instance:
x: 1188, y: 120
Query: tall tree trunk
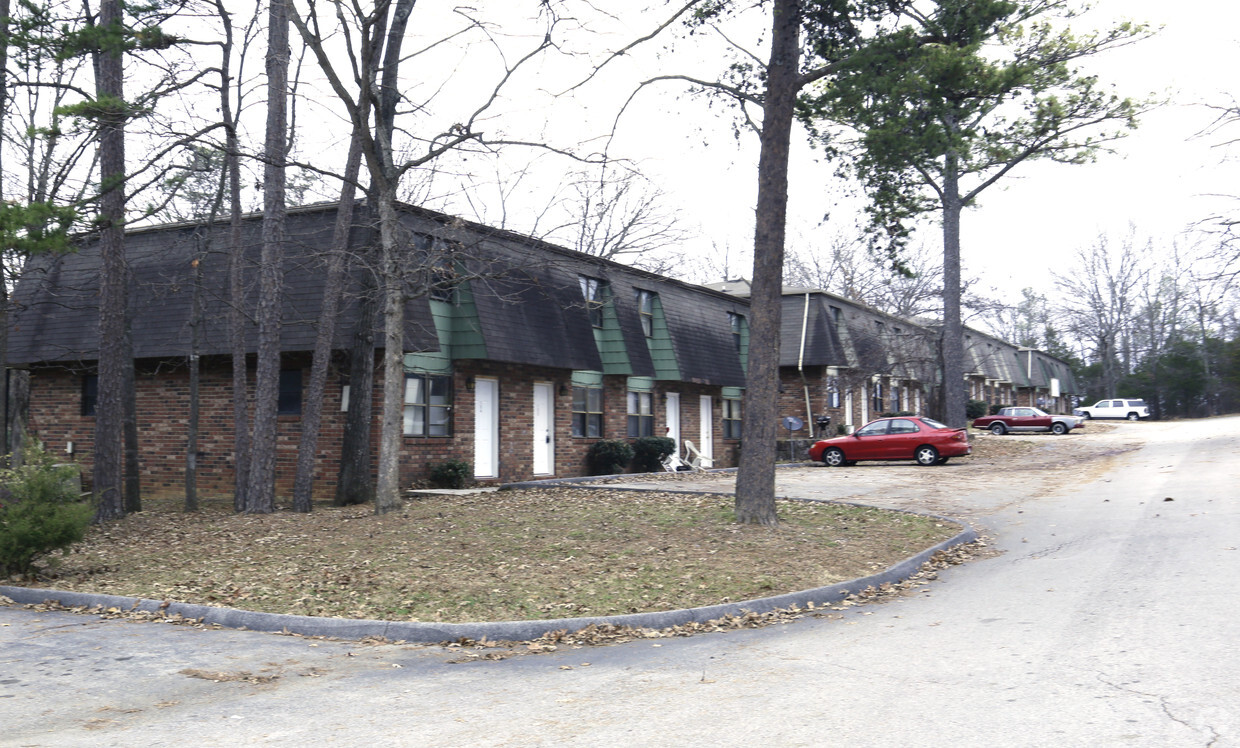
x: 954, y: 394
x: 5, y: 412
x: 19, y: 406
x: 260, y: 489
x: 755, y: 481
x: 109, y: 406
x: 387, y: 490
x: 133, y: 478
x: 195, y: 394
x: 333, y: 289
x: 355, y: 484
x: 236, y: 276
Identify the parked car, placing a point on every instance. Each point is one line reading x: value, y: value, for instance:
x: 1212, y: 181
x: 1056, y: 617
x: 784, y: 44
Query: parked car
x: 907, y: 438
x: 1133, y: 410
x: 1027, y: 419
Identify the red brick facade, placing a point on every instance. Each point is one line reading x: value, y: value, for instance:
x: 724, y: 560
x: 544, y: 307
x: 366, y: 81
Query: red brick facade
x: 163, y: 413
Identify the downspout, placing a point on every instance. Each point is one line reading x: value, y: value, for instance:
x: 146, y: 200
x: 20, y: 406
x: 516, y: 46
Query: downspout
x: 809, y: 410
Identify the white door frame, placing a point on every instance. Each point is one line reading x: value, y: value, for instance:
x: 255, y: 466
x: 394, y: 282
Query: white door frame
x: 706, y: 425
x: 544, y: 428
x: 672, y: 417
x: 486, y: 427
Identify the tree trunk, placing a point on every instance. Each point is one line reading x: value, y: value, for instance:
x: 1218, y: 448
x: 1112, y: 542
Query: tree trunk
x: 954, y: 394
x: 387, y: 490
x: 260, y: 489
x: 133, y: 478
x: 109, y: 406
x: 236, y: 278
x: 312, y: 411
x: 755, y: 481
x: 6, y: 418
x: 355, y: 484
x: 19, y: 407
x: 191, y: 441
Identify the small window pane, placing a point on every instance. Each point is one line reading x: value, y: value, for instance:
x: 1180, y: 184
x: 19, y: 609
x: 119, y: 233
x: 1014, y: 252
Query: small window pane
x: 289, y: 399
x: 413, y: 390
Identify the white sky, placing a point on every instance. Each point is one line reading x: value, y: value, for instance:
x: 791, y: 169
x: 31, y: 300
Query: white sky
x: 1159, y: 181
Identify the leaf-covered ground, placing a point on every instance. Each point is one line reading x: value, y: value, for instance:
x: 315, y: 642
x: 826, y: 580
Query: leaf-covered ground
x: 509, y: 555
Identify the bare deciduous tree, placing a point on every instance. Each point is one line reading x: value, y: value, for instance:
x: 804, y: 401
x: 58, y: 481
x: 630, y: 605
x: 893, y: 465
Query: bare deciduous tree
x: 1099, y: 299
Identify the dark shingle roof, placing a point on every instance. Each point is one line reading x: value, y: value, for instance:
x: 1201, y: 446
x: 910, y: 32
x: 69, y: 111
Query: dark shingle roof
x: 526, y: 292
x: 56, y: 302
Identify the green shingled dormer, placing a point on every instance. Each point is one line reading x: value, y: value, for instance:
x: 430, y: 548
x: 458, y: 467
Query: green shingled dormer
x: 456, y: 327
x: 607, y: 335
x: 658, y: 339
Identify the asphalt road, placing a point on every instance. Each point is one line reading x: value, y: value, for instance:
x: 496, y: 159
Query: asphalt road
x: 1110, y: 618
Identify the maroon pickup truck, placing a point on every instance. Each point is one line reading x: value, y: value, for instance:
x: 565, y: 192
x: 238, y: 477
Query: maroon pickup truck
x: 1028, y: 419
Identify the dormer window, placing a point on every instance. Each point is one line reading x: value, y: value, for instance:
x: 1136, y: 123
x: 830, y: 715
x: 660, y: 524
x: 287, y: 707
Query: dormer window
x: 592, y: 292
x: 737, y: 322
x: 645, y: 310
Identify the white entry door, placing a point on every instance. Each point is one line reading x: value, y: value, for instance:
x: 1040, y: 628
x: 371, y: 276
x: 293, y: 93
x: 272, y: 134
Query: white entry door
x: 706, y: 430
x: 486, y: 428
x: 544, y: 429
x: 673, y: 419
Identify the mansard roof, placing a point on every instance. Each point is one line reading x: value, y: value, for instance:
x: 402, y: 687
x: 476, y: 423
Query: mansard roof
x: 529, y: 306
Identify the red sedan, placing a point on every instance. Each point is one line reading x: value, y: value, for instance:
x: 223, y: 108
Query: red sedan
x: 907, y: 438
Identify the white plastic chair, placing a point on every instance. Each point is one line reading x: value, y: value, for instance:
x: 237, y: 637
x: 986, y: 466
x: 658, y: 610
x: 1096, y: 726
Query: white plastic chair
x: 673, y: 463
x: 696, y: 459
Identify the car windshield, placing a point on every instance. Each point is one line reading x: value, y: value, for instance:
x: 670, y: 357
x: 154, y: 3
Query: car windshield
x: 1137, y: 403
x: 933, y: 423
x: 1037, y: 412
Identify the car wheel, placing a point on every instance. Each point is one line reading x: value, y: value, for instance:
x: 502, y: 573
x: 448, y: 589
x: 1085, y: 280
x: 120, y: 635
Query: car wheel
x: 1088, y: 417
x: 926, y: 455
x: 833, y: 457
x: 1134, y: 417
x: 1059, y: 428
x: 998, y: 429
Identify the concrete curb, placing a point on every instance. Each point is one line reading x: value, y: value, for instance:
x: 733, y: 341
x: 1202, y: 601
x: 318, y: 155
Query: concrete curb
x: 430, y: 633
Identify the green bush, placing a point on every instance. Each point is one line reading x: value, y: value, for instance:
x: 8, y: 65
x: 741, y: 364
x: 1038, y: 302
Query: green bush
x: 451, y: 474
x: 609, y: 456
x: 896, y: 414
x: 994, y: 409
x: 976, y: 408
x: 649, y: 451
x: 40, y: 511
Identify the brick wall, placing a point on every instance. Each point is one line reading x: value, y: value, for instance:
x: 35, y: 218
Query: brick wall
x: 163, y: 412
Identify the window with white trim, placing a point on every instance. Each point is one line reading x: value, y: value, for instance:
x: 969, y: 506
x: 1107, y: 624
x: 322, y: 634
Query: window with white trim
x: 587, y: 411
x: 641, y: 414
x: 731, y: 418
x: 428, y: 405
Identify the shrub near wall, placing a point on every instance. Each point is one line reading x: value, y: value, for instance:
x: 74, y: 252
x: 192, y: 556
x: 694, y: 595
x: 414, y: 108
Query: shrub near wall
x: 649, y: 452
x: 609, y: 456
x: 40, y: 511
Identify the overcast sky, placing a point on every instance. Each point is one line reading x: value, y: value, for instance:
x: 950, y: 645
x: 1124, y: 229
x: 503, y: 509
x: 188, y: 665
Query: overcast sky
x: 1160, y: 180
